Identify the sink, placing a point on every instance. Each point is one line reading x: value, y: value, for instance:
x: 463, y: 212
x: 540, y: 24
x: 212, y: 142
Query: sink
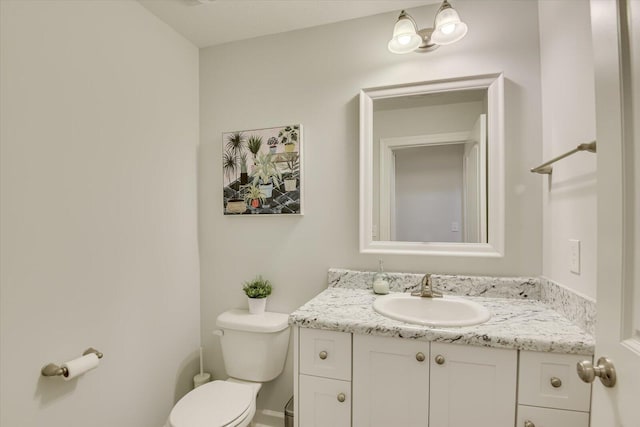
x: 446, y: 311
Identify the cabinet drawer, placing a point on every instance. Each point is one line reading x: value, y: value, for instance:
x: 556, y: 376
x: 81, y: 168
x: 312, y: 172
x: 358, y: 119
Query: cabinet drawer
x: 325, y: 353
x: 324, y: 402
x: 550, y: 380
x: 545, y: 417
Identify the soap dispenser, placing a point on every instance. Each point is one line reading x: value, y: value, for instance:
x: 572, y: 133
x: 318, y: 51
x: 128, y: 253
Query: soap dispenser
x: 380, y: 281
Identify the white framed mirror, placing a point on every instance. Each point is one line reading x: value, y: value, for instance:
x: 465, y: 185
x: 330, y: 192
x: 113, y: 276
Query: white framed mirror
x: 432, y: 168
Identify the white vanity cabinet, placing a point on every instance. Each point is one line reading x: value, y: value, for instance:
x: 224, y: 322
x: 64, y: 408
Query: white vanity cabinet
x: 472, y: 386
x: 372, y: 381
x: 390, y: 382
x: 550, y: 394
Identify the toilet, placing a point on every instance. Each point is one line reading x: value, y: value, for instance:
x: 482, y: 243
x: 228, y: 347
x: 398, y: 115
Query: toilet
x: 254, y: 349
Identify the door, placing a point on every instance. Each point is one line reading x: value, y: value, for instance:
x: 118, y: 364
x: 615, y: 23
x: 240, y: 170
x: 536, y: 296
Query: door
x: 617, y: 81
x: 472, y: 386
x: 390, y: 382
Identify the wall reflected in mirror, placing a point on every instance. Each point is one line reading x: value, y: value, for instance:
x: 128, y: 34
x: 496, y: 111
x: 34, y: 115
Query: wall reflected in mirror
x: 430, y: 167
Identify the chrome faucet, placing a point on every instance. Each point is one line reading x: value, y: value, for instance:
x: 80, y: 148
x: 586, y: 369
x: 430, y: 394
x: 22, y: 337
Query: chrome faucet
x: 426, y: 289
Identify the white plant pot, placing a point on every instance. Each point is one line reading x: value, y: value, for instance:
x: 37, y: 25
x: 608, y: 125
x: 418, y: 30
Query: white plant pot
x: 257, y: 305
x: 290, y: 184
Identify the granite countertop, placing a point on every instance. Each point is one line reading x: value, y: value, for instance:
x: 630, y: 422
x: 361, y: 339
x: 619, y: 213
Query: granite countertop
x: 523, y: 324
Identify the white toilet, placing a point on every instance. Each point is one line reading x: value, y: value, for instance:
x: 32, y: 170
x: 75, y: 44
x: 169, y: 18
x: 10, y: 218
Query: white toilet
x: 254, y: 348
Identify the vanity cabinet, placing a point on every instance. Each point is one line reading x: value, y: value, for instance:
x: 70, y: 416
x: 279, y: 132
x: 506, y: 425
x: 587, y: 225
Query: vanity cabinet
x: 370, y: 381
x: 550, y: 394
x: 472, y: 386
x: 390, y: 382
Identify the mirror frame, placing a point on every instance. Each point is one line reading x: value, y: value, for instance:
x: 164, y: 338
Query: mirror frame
x: 494, y: 248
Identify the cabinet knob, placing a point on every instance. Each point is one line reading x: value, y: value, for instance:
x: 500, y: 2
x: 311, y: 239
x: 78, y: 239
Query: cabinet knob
x: 420, y: 357
x: 528, y: 423
x: 323, y: 355
x: 440, y: 359
x: 556, y: 382
x: 605, y: 370
x: 341, y: 397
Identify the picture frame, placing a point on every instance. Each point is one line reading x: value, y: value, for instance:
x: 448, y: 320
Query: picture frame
x: 262, y: 171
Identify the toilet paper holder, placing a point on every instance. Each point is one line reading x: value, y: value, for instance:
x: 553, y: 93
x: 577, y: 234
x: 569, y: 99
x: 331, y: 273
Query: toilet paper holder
x: 52, y: 370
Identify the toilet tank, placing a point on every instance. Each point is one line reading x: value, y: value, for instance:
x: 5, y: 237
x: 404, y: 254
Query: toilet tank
x: 254, y: 346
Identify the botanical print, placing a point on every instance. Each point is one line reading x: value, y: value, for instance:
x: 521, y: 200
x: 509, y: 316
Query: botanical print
x: 261, y: 171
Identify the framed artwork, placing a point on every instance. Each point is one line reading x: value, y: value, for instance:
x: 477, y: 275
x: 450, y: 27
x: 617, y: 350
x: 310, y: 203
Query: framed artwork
x: 262, y: 171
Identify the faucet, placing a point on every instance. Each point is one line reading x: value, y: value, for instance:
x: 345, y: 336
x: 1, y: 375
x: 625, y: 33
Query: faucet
x: 426, y: 290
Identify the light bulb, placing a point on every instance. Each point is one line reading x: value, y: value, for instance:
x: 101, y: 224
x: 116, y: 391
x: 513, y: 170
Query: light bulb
x: 404, y: 40
x: 448, y: 28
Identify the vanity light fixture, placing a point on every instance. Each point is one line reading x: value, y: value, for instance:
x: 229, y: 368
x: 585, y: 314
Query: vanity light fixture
x: 447, y: 29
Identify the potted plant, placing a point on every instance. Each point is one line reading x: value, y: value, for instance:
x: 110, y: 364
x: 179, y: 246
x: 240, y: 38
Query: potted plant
x: 231, y: 166
x: 244, y: 177
x: 288, y: 137
x: 254, y: 143
x: 257, y: 291
x: 290, y: 182
x: 273, y: 144
x: 266, y: 174
x: 254, y: 196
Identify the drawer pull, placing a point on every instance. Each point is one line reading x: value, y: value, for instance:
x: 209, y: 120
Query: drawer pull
x: 341, y: 397
x: 556, y: 382
x: 440, y: 359
x: 528, y: 423
x: 323, y: 355
x: 420, y: 357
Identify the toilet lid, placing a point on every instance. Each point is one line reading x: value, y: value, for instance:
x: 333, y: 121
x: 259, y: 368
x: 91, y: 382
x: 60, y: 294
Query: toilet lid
x: 217, y: 403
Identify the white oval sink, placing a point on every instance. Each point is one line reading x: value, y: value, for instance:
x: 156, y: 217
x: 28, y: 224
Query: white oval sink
x: 446, y: 311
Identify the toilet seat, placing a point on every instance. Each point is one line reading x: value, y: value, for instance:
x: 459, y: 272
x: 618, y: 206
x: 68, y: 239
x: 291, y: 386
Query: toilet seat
x: 215, y: 404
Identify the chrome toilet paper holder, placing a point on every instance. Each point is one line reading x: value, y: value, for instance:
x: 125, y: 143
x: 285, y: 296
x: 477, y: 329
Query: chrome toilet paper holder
x: 53, y: 370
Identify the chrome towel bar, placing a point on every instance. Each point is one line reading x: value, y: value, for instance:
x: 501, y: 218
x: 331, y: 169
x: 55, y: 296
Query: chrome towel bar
x: 546, y: 168
x: 52, y: 370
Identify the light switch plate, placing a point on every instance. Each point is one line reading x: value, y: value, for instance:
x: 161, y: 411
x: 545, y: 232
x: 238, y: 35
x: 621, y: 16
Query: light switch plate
x: 574, y: 256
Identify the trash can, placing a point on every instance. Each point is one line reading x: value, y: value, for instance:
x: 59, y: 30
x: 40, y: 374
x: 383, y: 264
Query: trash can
x: 288, y: 413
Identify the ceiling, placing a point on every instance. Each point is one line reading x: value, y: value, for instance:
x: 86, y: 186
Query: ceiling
x: 211, y: 22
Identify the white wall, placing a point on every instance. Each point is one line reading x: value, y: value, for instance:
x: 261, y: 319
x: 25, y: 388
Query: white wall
x: 313, y: 77
x: 99, y: 132
x: 429, y: 193
x: 568, y: 119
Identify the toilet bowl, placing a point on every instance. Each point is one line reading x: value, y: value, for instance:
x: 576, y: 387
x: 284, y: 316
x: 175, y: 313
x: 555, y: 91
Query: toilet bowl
x: 254, y: 349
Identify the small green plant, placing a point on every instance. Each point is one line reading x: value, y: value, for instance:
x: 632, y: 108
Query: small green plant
x: 289, y: 135
x: 266, y: 171
x: 257, y: 288
x: 254, y: 193
x: 254, y: 143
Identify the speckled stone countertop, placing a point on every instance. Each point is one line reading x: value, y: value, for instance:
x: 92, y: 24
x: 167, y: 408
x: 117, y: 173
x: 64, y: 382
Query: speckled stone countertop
x: 517, y: 323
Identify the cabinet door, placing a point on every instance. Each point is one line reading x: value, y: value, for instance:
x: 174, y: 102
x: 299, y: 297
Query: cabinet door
x: 390, y: 382
x: 324, y: 402
x: 531, y: 416
x: 472, y: 386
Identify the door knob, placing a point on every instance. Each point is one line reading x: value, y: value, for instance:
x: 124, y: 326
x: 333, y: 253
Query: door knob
x: 323, y: 355
x: 528, y: 423
x: 440, y: 359
x: 604, y: 369
x: 341, y: 397
x: 420, y: 357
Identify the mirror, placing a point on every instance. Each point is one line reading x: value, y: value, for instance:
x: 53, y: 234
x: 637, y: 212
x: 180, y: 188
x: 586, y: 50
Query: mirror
x: 431, y: 168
